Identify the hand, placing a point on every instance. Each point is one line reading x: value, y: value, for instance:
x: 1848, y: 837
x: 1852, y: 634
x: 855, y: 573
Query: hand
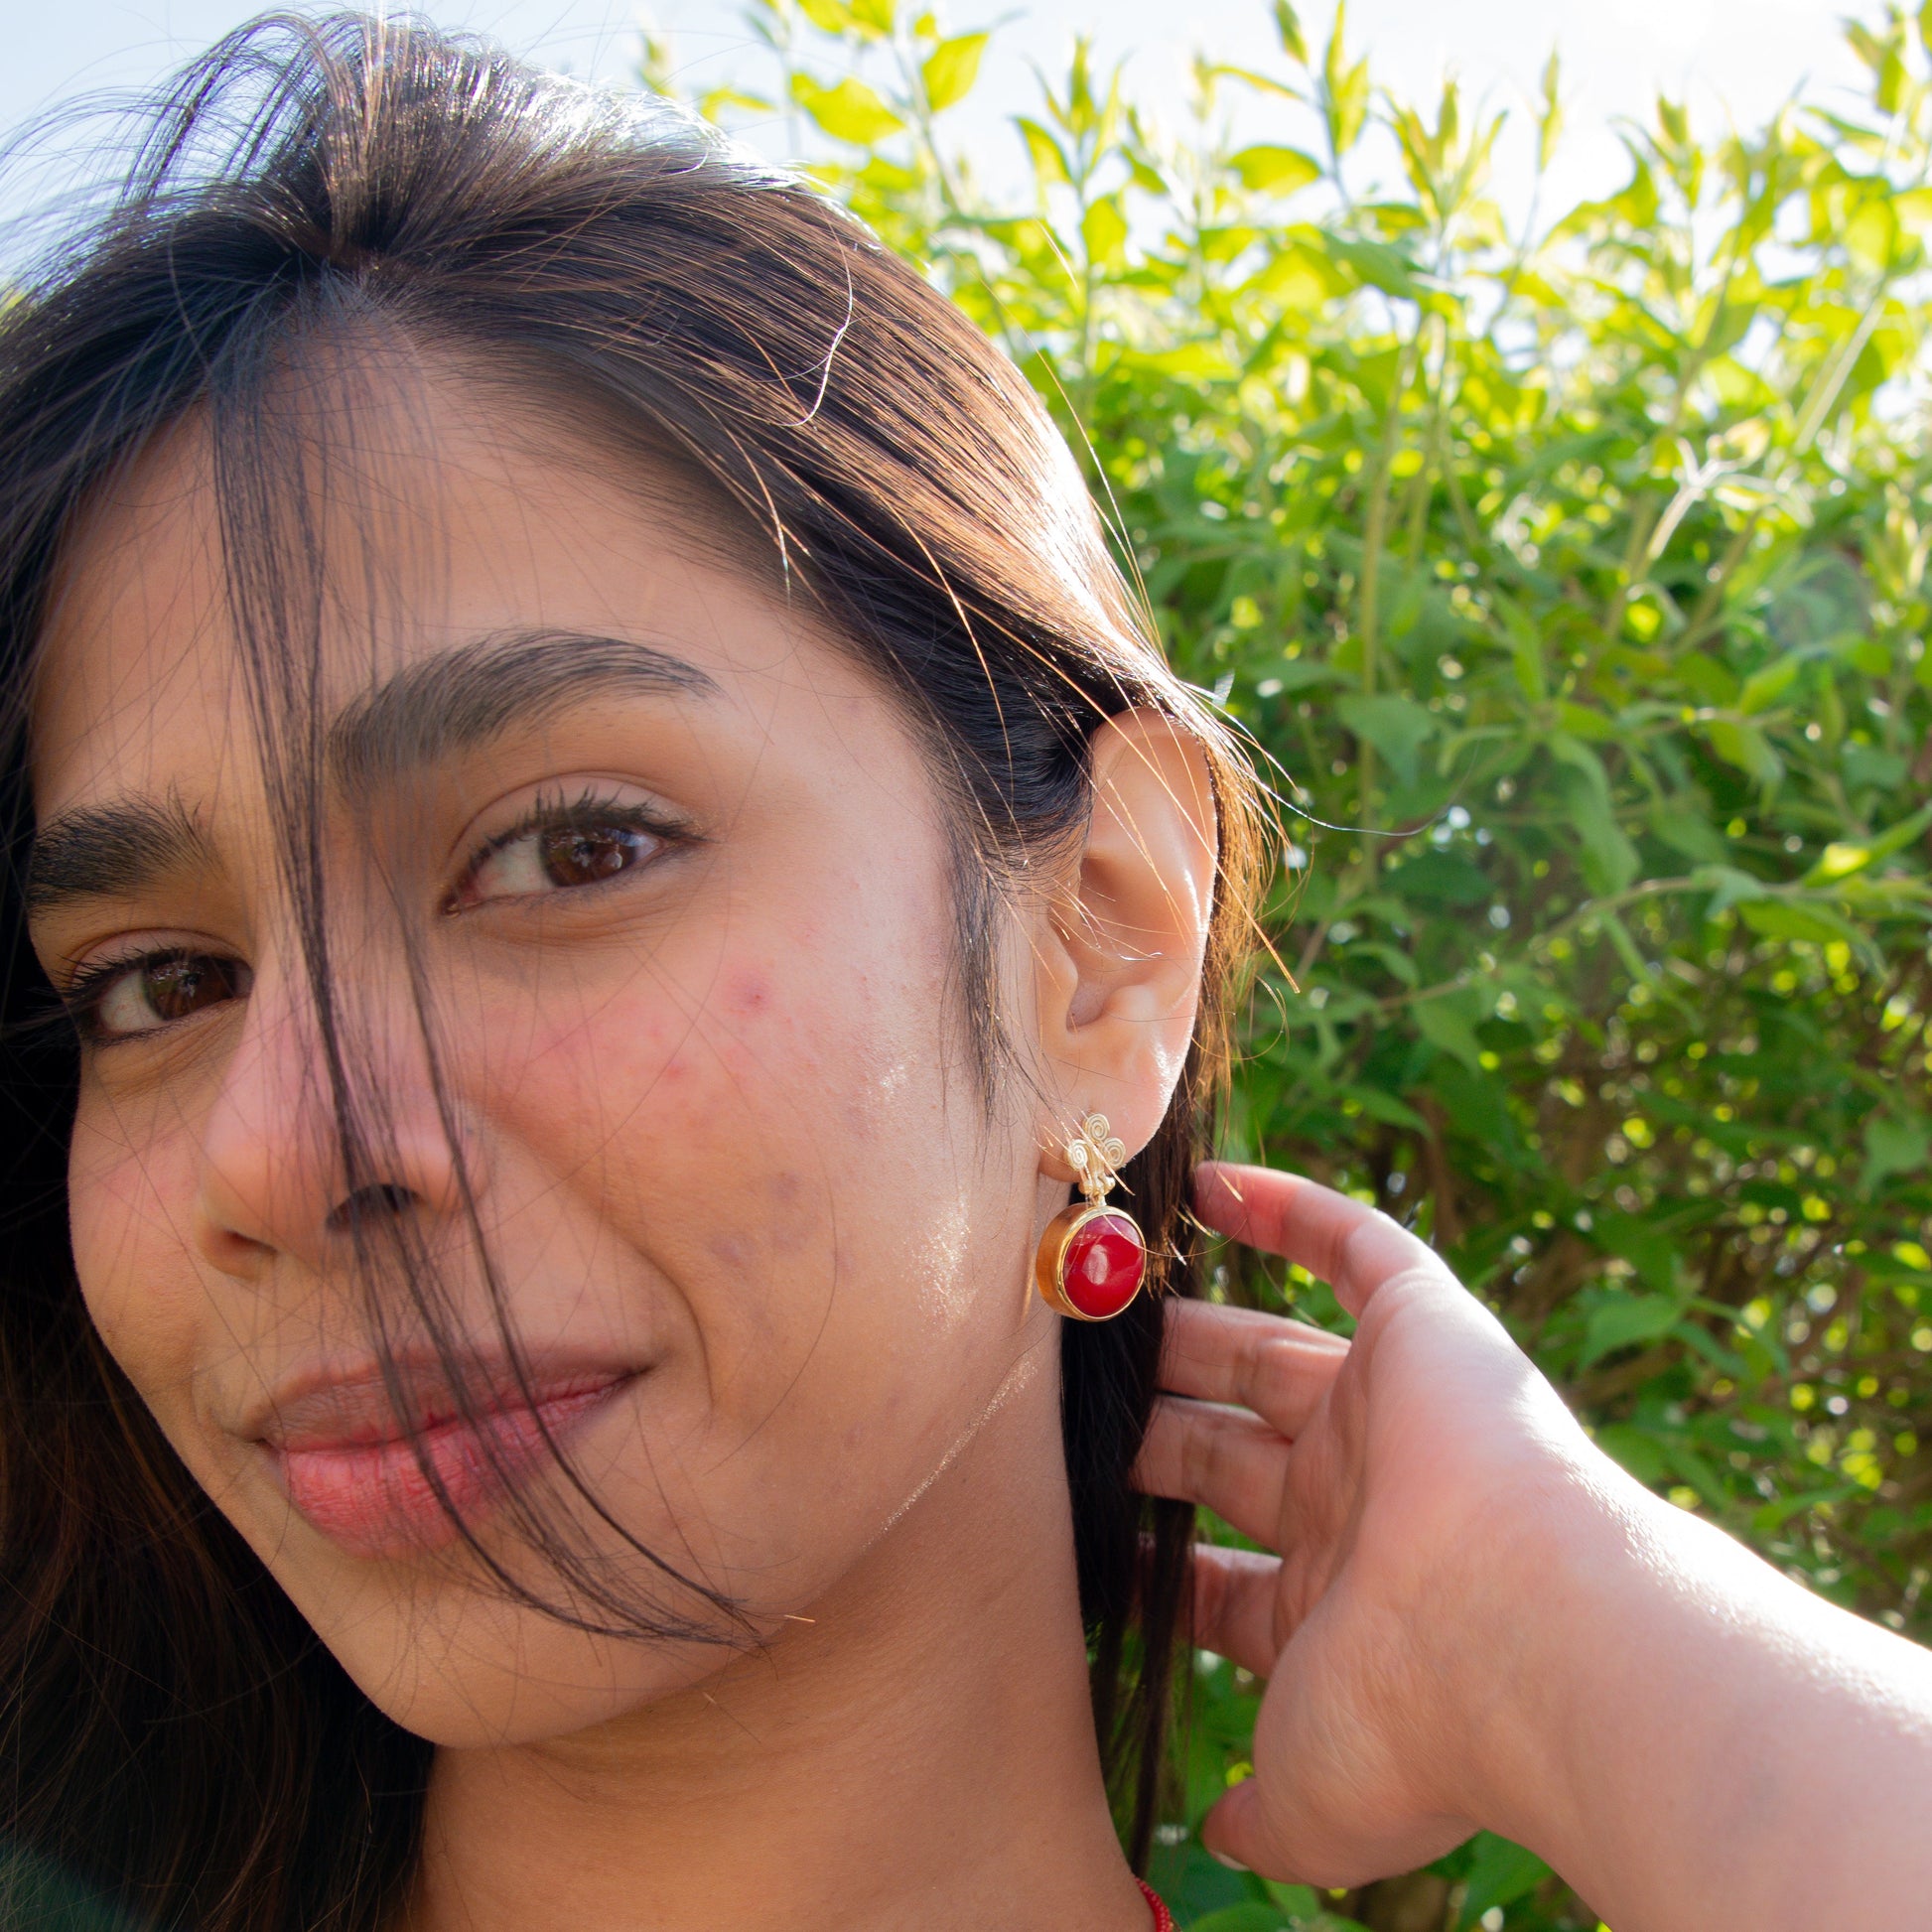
x: 1416, y: 1482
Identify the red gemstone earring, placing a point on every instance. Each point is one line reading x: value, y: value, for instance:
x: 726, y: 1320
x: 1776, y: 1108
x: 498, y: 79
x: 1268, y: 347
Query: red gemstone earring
x: 1092, y: 1259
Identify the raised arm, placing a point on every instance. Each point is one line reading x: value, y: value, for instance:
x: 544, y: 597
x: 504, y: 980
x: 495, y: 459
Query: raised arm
x: 1478, y: 1620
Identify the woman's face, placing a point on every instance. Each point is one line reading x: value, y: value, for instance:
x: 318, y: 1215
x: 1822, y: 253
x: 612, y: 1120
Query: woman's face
x: 676, y: 884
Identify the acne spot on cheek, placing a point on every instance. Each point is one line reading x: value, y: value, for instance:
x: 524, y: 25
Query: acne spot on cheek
x: 786, y: 1231
x: 733, y: 1250
x: 747, y: 995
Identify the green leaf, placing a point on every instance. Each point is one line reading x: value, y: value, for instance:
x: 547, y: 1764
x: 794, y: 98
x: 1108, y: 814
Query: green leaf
x: 1437, y: 879
x: 1499, y: 1875
x: 872, y: 18
x: 1746, y: 748
x: 1781, y: 919
x: 1044, y: 151
x: 851, y: 111
x: 1448, y: 1023
x: 1287, y: 29
x: 1728, y: 886
x: 1381, y: 1106
x: 719, y: 99
x: 1682, y: 827
x: 1398, y: 728
x: 1275, y: 171
x: 1549, y: 119
x: 1871, y: 235
x: 1478, y: 1103
x: 951, y: 68
x: 1300, y: 673
x: 1762, y: 689
x: 1771, y: 1517
x: 1375, y: 263
x: 1636, y: 1448
x: 1621, y: 1320
x: 1581, y: 722
x: 1344, y: 88
x: 1646, y: 1246
x: 1103, y: 228
x: 1844, y: 860
x: 1893, y: 1144
x: 828, y: 16
x: 1399, y: 963
x: 1606, y: 856
x: 1607, y: 859
x: 1915, y: 209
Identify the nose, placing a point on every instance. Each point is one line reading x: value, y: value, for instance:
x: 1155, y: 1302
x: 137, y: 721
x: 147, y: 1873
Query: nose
x: 320, y: 1133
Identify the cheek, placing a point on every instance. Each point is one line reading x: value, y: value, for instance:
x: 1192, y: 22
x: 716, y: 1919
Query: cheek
x: 131, y: 1198
x: 742, y: 1050
x: 794, y: 1143
x: 733, y: 1124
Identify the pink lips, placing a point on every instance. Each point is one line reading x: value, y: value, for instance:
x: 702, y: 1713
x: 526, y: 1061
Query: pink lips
x: 364, y: 1482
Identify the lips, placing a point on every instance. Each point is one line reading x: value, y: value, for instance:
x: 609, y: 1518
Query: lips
x: 368, y: 1483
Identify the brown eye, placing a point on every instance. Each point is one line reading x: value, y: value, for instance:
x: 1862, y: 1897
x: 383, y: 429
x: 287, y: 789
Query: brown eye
x: 566, y: 848
x: 145, y: 995
x: 175, y: 988
x: 581, y: 855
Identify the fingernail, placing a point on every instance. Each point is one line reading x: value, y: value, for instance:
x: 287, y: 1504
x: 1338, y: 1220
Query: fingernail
x: 1221, y: 1857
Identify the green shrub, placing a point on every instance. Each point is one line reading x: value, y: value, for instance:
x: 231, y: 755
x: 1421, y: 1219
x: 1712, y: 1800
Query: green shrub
x: 1586, y: 569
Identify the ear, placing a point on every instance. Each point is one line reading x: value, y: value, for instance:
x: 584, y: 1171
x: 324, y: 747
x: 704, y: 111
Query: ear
x: 1118, y: 949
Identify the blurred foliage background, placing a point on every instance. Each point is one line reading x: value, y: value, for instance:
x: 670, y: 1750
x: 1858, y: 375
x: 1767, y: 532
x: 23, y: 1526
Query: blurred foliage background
x: 1570, y: 572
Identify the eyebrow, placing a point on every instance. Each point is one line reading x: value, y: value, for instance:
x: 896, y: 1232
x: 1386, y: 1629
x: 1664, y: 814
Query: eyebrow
x: 112, y: 851
x: 438, y: 709
x: 464, y: 697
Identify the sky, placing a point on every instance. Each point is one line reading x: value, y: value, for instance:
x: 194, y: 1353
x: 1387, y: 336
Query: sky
x: 1728, y: 58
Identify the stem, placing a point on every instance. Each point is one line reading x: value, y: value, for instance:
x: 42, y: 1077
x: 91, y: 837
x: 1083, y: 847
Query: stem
x: 914, y: 82
x: 1374, y: 540
x: 1635, y: 568
x: 1375, y: 532
x: 1705, y: 617
x: 1423, y: 489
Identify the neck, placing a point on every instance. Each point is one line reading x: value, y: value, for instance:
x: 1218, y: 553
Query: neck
x: 921, y: 1752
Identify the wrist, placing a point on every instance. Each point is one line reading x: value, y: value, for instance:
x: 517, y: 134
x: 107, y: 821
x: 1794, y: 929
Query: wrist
x: 1567, y: 1601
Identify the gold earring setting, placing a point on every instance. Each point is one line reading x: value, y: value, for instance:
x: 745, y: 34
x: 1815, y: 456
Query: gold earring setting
x: 1092, y: 1259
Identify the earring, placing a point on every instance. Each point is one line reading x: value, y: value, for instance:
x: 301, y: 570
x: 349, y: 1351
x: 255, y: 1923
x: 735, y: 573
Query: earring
x: 1092, y: 1258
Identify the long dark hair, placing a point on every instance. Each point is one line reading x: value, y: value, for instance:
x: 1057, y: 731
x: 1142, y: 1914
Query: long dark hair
x: 169, y: 1727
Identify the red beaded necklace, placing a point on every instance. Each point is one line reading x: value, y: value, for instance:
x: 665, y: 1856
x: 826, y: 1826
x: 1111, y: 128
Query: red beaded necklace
x: 1163, y: 1918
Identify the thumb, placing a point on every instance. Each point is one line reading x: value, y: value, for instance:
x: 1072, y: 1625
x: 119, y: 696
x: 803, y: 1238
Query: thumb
x: 1235, y: 1831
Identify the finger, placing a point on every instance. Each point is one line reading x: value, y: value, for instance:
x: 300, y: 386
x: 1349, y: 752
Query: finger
x: 1237, y: 1614
x: 1351, y: 1246
x: 1235, y: 1831
x: 1221, y: 1459
x: 1276, y: 1825
x: 1279, y: 1369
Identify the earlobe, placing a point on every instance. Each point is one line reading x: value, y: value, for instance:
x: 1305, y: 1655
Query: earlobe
x: 1119, y: 961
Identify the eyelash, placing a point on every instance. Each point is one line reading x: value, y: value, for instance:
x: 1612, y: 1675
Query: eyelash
x: 87, y: 992
x: 591, y: 807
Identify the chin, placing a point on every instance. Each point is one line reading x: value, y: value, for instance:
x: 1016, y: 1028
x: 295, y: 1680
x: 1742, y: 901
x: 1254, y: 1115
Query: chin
x: 466, y: 1669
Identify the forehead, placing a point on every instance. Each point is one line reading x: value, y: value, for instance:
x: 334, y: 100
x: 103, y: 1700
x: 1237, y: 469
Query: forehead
x: 356, y: 534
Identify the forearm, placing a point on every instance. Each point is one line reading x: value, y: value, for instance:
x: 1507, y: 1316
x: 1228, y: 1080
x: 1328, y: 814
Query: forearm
x: 1697, y: 1745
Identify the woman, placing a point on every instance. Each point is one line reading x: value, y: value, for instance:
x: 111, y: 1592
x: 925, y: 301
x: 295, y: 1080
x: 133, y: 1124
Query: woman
x: 600, y: 818
x: 600, y: 847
